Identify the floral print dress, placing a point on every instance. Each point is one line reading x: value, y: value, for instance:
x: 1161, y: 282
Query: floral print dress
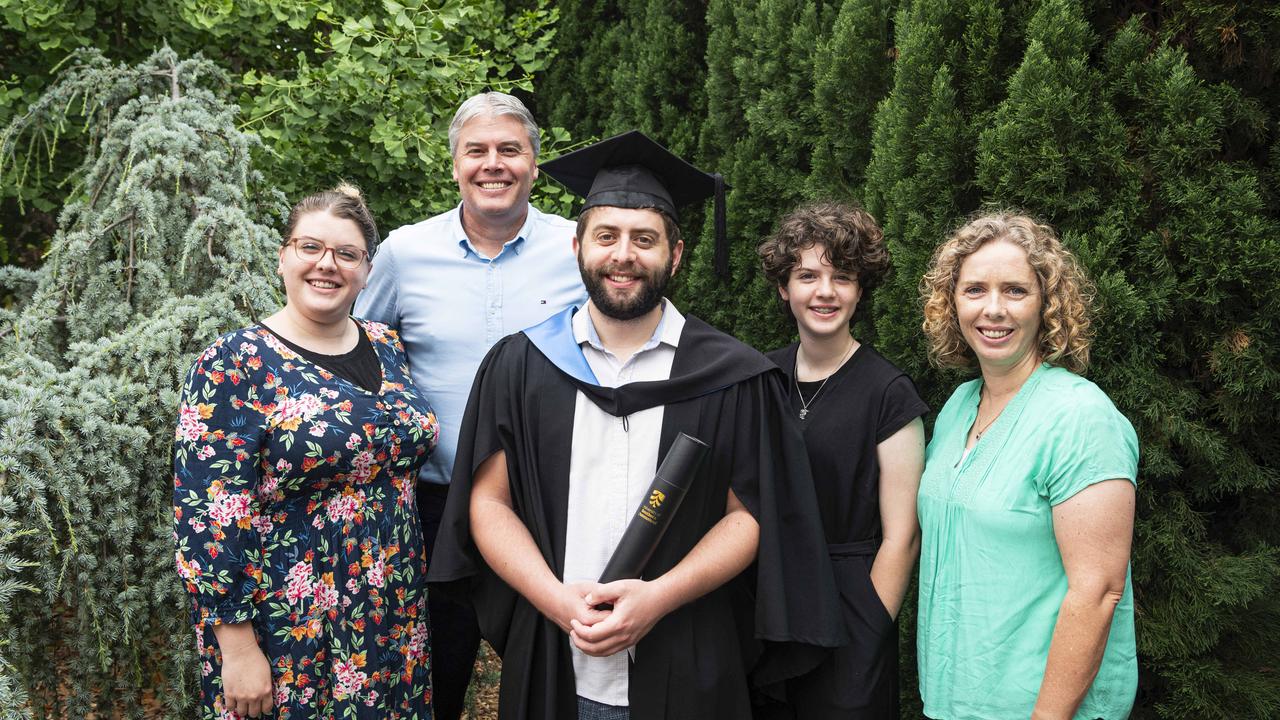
x: 293, y: 502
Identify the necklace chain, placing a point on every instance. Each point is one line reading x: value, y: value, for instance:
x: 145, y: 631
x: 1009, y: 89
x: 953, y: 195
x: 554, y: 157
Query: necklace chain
x: 978, y: 435
x: 804, y: 406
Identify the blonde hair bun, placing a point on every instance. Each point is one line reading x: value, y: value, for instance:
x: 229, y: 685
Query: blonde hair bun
x: 351, y: 191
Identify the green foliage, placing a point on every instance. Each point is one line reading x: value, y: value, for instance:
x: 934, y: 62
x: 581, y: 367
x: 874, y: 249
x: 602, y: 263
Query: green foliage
x: 384, y: 87
x: 851, y: 75
x: 640, y: 62
x: 1148, y: 140
x: 657, y: 81
x: 164, y: 176
x: 13, y: 696
x: 760, y: 133
x: 167, y: 240
x: 361, y: 90
x: 1121, y: 147
x: 37, y: 36
x: 573, y: 89
x: 920, y: 177
x: 1207, y: 255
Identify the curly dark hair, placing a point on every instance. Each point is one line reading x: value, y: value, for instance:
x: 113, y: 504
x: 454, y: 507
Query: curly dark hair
x: 850, y: 238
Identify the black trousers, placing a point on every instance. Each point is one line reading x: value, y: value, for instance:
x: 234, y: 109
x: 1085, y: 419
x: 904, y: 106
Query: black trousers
x: 455, y: 635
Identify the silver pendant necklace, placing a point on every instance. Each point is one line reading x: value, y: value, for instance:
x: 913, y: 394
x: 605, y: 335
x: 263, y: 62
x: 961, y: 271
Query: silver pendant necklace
x: 804, y: 406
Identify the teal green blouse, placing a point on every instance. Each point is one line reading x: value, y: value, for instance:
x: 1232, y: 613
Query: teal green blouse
x: 991, y: 576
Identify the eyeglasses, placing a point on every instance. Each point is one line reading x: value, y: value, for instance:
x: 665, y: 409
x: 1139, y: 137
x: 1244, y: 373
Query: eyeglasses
x: 345, y: 256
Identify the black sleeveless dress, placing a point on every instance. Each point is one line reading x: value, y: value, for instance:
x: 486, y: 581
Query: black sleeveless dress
x: 862, y: 404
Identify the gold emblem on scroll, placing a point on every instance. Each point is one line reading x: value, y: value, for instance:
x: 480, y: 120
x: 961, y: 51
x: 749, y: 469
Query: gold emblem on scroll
x: 655, y: 499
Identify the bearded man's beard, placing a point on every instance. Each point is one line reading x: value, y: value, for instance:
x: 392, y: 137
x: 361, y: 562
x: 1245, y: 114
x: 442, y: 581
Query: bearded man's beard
x: 652, y: 287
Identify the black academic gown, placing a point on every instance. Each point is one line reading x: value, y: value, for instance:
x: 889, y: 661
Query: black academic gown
x: 695, y: 661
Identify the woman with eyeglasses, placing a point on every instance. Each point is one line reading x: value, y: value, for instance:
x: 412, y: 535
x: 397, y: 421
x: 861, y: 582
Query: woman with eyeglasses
x: 295, y: 461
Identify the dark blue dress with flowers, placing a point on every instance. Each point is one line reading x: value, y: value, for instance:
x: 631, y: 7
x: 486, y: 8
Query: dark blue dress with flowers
x: 293, y: 501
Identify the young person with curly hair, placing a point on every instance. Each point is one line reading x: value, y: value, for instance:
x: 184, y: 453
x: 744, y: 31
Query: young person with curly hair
x: 865, y: 440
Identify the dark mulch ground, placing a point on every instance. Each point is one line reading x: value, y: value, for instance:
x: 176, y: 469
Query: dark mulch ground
x: 482, y: 696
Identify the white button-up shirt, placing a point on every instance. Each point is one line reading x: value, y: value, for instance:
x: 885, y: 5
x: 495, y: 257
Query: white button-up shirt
x: 612, y: 464
x: 451, y: 304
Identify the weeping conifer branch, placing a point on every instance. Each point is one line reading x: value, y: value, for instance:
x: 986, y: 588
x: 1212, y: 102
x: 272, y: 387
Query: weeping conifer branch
x: 90, y: 366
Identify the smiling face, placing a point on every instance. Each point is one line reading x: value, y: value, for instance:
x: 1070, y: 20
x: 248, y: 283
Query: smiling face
x: 321, y: 291
x: 626, y: 260
x: 494, y: 167
x: 998, y: 303
x: 822, y: 298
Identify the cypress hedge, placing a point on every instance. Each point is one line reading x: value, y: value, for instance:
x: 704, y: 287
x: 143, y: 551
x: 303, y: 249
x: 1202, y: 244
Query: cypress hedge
x: 1149, y: 141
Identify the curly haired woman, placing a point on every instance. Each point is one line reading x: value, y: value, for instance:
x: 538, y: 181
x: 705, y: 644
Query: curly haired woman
x: 1027, y: 499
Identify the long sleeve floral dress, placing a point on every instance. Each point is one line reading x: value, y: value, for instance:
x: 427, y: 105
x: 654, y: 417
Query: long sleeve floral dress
x: 293, y: 502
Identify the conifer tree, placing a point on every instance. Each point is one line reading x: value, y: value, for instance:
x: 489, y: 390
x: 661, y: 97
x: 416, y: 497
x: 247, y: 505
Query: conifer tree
x: 920, y: 177
x: 37, y: 36
x: 1209, y: 252
x: 1141, y: 165
x: 919, y: 183
x: 361, y: 90
x: 166, y: 241
x: 1187, y: 260
x: 13, y: 697
x: 658, y: 81
x: 629, y: 64
x: 576, y: 91
x: 759, y: 134
x: 1147, y: 142
x: 852, y: 74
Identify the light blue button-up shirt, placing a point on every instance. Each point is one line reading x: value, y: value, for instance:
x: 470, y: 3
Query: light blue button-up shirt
x: 451, y: 304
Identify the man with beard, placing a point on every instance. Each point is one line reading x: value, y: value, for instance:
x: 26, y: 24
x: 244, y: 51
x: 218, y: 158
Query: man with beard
x: 562, y: 434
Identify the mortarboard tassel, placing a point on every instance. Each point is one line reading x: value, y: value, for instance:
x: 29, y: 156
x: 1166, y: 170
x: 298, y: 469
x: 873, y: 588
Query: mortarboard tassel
x: 722, y: 240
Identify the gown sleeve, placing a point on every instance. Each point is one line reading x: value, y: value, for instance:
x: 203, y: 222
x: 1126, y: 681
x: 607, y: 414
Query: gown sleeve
x: 215, y: 510
x: 797, y: 604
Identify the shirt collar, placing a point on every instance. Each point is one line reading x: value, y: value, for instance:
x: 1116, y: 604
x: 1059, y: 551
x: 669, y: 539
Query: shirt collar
x: 668, y: 331
x: 515, y: 244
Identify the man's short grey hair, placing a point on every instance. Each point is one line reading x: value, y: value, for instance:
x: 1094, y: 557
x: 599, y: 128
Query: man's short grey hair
x: 493, y: 104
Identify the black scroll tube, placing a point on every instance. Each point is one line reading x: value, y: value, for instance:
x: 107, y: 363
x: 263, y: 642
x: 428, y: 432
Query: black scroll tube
x: 656, y: 509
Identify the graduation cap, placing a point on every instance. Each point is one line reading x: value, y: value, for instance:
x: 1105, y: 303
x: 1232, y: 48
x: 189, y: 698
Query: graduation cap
x: 632, y: 171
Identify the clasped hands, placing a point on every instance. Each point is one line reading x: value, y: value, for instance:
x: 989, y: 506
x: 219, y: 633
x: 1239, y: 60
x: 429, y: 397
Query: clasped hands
x: 637, y: 606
